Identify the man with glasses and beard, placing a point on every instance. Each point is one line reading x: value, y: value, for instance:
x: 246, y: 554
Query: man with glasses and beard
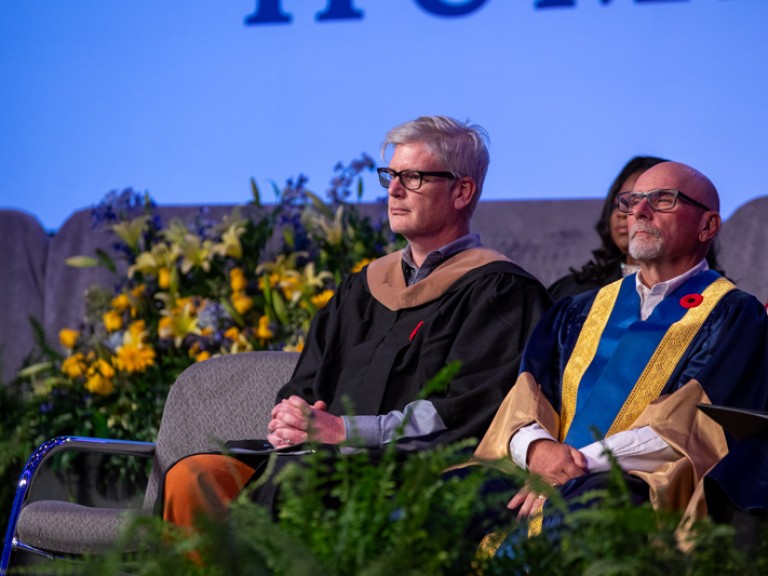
x: 392, y: 327
x: 623, y: 368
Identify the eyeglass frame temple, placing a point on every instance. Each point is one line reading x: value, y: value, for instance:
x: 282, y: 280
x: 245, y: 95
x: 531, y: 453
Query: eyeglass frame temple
x: 678, y: 194
x: 439, y: 173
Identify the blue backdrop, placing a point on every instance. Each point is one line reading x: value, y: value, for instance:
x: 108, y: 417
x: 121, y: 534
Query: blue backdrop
x: 188, y: 101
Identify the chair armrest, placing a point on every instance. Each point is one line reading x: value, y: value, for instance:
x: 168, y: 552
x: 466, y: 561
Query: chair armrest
x: 85, y: 444
x: 62, y: 444
x: 59, y: 445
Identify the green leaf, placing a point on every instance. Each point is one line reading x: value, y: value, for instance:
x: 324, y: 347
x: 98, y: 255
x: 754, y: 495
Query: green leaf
x: 236, y: 316
x: 34, y: 369
x: 255, y: 193
x: 278, y: 305
x: 319, y: 204
x: 105, y: 260
x: 439, y: 383
x: 82, y: 262
x: 100, y: 428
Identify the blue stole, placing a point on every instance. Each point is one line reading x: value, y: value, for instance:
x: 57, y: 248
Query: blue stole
x: 625, y: 347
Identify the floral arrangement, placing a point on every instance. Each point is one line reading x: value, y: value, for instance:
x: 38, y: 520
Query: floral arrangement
x: 187, y: 291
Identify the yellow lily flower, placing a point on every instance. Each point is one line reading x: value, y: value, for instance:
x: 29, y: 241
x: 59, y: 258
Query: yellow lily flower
x: 98, y: 384
x: 164, y: 278
x: 136, y: 333
x: 281, y: 264
x: 160, y: 256
x: 241, y: 302
x: 74, y: 366
x: 131, y: 231
x: 99, y: 380
x: 68, y: 337
x: 290, y: 284
x: 263, y: 332
x: 230, y: 241
x: 112, y: 320
x: 272, y: 278
x: 165, y: 327
x: 313, y: 279
x: 181, y: 322
x: 121, y: 302
x: 333, y: 231
x: 202, y: 356
x: 237, y: 280
x: 104, y: 368
x: 195, y: 252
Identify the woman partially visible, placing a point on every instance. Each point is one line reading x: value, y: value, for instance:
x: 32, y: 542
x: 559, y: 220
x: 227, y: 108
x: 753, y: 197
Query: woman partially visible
x: 612, y: 261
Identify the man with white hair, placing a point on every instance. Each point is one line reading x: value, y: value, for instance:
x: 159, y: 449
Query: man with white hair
x: 392, y: 327
x: 635, y: 358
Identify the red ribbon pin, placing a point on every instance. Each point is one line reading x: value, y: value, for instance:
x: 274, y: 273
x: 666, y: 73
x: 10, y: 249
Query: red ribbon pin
x: 413, y: 334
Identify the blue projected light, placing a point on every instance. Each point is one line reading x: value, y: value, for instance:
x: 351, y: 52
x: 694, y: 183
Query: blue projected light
x: 191, y: 104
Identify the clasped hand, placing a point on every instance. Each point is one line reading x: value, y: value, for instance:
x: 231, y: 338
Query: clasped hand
x: 295, y: 421
x: 554, y: 463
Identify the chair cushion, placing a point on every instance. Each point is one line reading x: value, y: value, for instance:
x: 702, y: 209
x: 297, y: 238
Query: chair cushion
x: 74, y: 529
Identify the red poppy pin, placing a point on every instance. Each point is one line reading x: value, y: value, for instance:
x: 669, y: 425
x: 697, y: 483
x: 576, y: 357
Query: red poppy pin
x: 415, y: 330
x: 691, y: 300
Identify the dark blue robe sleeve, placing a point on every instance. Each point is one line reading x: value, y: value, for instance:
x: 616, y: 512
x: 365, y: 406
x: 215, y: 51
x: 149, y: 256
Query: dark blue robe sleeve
x: 729, y: 354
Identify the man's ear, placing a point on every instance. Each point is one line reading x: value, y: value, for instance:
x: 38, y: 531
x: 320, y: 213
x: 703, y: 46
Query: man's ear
x: 465, y: 193
x: 711, y: 222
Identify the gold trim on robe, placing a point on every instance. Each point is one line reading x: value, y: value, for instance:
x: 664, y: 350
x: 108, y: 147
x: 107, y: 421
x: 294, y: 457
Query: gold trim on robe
x: 667, y: 356
x: 657, y: 371
x: 584, y: 352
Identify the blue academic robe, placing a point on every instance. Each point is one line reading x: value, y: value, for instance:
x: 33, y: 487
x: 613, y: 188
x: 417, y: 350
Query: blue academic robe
x: 727, y: 356
x: 723, y: 363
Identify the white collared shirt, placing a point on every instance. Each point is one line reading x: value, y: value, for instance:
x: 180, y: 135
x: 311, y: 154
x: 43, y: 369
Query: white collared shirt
x: 650, y: 297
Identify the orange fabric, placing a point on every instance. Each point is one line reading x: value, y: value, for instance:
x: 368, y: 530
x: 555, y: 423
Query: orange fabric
x: 203, y: 484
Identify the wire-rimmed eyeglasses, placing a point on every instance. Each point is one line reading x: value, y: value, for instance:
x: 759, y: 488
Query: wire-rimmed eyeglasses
x: 410, y: 179
x: 659, y: 200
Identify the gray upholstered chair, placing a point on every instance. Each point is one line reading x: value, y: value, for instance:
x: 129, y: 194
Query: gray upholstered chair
x: 225, y: 398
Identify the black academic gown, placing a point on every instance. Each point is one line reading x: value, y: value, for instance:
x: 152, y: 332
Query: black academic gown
x: 377, y: 343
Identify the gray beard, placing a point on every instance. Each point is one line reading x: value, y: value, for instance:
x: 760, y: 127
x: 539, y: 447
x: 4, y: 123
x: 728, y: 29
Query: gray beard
x: 643, y: 251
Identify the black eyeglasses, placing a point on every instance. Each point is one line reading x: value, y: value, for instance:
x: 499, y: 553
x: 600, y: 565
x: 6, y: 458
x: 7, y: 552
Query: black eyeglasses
x: 658, y: 200
x: 410, y: 179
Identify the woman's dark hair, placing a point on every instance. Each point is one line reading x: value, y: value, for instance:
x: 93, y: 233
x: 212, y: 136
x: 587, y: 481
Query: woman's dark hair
x: 608, y: 256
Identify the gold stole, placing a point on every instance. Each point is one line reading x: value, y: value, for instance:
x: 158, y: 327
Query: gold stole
x: 659, y: 368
